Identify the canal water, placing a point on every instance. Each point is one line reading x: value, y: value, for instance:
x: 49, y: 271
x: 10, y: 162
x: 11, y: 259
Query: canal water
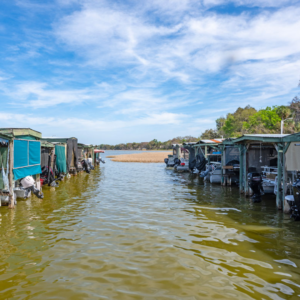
x: 139, y: 231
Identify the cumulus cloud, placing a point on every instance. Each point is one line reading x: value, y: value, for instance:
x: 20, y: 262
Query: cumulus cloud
x: 156, y: 62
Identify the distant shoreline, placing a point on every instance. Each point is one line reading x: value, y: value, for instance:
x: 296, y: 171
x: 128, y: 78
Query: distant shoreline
x: 145, y: 157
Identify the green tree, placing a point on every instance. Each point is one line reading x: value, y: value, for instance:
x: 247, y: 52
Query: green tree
x: 229, y: 127
x: 264, y: 121
x: 283, y: 111
x: 209, y: 134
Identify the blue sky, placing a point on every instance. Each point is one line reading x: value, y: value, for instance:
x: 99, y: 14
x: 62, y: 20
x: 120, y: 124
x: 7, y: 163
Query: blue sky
x: 130, y: 71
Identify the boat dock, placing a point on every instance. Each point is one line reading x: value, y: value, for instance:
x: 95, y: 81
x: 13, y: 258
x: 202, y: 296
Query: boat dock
x: 271, y: 160
x: 28, y: 162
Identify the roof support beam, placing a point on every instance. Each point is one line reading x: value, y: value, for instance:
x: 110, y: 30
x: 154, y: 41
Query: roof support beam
x: 280, y: 161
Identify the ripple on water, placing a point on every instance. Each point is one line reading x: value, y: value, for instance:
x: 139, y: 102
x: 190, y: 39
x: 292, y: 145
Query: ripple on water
x: 138, y: 231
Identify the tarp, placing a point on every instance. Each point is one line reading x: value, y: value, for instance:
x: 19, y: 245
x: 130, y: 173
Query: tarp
x: 72, y: 154
x: 45, y: 152
x: 27, y: 158
x: 3, y: 162
x: 61, y: 162
x: 231, y: 153
x: 292, y: 157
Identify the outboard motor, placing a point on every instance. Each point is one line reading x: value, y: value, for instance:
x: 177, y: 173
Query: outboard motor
x: 203, y: 174
x: 28, y: 185
x: 254, y: 182
x: 90, y: 161
x: 85, y: 166
x: 48, y: 175
x: 177, y: 161
x: 166, y: 161
x: 295, y: 207
x: 200, y: 162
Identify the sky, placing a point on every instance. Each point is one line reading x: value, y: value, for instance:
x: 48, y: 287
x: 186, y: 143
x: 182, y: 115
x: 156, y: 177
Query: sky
x: 119, y: 71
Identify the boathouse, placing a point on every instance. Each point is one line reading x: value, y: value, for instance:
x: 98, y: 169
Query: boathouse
x: 230, y: 160
x: 210, y: 149
x: 71, y: 152
x: 24, y: 156
x: 47, y: 149
x: 264, y: 151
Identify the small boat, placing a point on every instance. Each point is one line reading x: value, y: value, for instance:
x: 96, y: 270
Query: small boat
x: 183, y: 166
x: 216, y: 173
x: 179, y: 161
x: 213, y: 172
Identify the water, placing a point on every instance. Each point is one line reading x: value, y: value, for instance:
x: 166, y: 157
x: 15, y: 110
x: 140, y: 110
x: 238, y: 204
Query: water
x: 139, y: 231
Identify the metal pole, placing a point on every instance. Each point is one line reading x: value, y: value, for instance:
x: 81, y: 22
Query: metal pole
x: 286, y: 146
x: 222, y: 170
x: 279, y: 176
x: 241, y: 147
x: 245, y: 179
x: 10, y: 175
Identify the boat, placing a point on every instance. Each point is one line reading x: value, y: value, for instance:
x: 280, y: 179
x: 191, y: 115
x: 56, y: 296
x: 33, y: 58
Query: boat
x: 213, y: 172
x: 216, y: 173
x: 179, y: 161
x: 183, y: 166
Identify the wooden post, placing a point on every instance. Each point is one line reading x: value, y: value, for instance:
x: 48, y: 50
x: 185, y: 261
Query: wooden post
x: 10, y: 175
x: 279, y: 176
x: 241, y: 147
x: 286, y: 147
x: 223, y: 182
x: 245, y: 177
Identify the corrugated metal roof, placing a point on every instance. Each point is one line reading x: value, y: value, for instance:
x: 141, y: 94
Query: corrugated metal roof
x: 212, y: 141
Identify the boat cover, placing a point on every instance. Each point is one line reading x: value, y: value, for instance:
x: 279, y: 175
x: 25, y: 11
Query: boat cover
x: 292, y: 157
x: 72, y: 154
x: 61, y: 162
x: 27, y: 158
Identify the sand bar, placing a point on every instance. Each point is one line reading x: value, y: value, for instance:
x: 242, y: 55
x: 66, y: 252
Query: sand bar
x: 146, y: 157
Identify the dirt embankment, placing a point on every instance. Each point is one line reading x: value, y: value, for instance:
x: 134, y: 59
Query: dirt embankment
x: 146, y: 157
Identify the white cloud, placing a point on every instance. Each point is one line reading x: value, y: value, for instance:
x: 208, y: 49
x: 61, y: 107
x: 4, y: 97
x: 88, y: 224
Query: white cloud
x: 39, y: 95
x: 82, y: 125
x: 156, y: 62
x: 203, y: 43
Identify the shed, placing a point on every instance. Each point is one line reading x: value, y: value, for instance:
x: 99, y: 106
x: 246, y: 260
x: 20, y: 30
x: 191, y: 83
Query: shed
x: 24, y: 152
x: 210, y: 148
x: 257, y: 151
x: 88, y: 151
x: 71, y: 151
x: 47, y: 149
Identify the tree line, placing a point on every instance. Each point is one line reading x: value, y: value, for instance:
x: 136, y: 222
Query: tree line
x: 152, y: 145
x: 248, y: 120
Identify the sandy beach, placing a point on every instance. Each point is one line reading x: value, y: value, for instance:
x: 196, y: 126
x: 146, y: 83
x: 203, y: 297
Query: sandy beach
x: 146, y: 157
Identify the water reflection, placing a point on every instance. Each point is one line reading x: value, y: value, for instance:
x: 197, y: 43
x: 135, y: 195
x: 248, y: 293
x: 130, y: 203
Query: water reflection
x: 138, y: 231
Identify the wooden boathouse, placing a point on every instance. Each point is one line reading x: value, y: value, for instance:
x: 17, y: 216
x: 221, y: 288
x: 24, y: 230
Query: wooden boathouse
x: 71, y: 152
x: 24, y: 157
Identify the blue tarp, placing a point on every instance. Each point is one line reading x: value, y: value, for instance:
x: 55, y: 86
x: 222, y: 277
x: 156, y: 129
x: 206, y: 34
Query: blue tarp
x: 27, y: 158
